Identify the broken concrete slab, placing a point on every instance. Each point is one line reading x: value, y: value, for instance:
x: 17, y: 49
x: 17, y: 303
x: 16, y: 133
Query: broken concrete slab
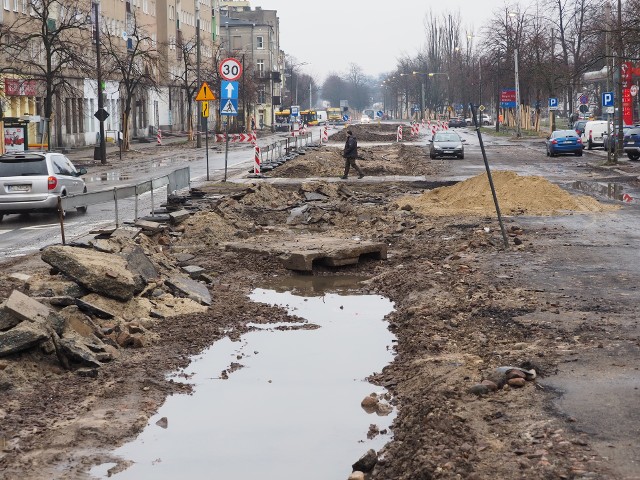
x: 99, y: 272
x: 26, y: 308
x: 192, y: 289
x: 183, y: 257
x: 93, y: 310
x: 153, y: 227
x: 179, y: 216
x: 7, y: 319
x: 126, y: 232
x: 24, y: 336
x: 304, y: 252
x: 77, y: 352
x: 139, y: 263
x: 193, y: 271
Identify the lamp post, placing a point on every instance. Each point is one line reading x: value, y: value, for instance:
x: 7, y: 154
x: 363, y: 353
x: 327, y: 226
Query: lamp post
x: 517, y: 80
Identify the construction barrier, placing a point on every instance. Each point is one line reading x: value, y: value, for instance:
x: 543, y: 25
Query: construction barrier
x: 236, y: 137
x: 159, y: 137
x: 256, y: 159
x: 415, y: 129
x: 325, y: 134
x: 399, y: 134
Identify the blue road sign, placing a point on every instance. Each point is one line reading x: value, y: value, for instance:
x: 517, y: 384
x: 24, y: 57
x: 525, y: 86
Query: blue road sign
x: 379, y: 113
x: 345, y: 118
x: 228, y: 89
x: 607, y: 99
x: 583, y: 99
x: 553, y: 103
x: 229, y: 106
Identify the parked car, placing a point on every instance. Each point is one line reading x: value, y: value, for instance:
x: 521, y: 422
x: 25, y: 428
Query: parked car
x: 486, y: 119
x: 365, y: 119
x: 614, y: 137
x: 446, y: 144
x: 33, y: 181
x: 631, y: 145
x: 457, y: 122
x: 578, y: 126
x: 592, y: 135
x: 564, y: 141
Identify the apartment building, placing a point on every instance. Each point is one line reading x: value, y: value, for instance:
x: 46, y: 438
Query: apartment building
x: 253, y: 36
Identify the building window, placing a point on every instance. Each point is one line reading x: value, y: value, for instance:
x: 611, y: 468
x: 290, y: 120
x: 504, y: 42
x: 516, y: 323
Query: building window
x: 171, y: 12
x: 260, y: 67
x: 16, y: 5
x: 7, y: 4
x: 260, y: 42
x: 262, y: 97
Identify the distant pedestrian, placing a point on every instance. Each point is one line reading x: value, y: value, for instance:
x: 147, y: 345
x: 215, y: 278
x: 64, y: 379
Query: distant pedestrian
x: 350, y: 154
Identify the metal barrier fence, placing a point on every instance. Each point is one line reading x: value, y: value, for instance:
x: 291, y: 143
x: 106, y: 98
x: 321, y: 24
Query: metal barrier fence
x: 278, y: 152
x: 174, y: 181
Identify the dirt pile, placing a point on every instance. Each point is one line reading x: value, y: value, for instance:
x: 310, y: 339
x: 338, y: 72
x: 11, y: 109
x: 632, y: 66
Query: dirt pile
x: 368, y: 132
x: 517, y: 195
x: 395, y: 159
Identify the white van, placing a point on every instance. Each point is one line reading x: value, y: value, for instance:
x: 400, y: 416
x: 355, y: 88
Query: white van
x: 593, y: 133
x: 321, y: 115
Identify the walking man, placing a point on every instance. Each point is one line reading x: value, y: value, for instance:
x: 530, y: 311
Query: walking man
x: 350, y: 154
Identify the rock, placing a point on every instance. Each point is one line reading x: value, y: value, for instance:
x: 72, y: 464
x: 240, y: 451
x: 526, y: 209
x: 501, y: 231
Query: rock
x: 529, y: 374
x: 7, y: 319
x: 76, y: 351
x: 22, y: 277
x: 87, y: 372
x: 193, y: 271
x: 102, y: 273
x: 515, y: 374
x: 490, y: 385
x: 369, y: 402
x: 183, y: 257
x: 191, y: 289
x: 147, y: 226
x: 139, y: 264
x: 94, y: 310
x: 356, y: 476
x: 516, y: 382
x: 366, y: 462
x: 78, y: 322
x: 163, y: 422
x: 24, y: 336
x: 383, y: 409
x: 178, y: 216
x: 479, y: 389
x: 25, y: 308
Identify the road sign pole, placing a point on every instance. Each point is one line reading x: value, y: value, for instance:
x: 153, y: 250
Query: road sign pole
x: 226, y: 147
x: 206, y: 142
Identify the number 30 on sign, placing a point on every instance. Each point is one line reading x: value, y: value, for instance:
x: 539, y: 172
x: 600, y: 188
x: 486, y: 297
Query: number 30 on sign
x: 230, y: 69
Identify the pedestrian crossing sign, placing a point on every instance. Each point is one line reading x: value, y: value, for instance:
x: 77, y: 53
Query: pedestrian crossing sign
x: 229, y: 106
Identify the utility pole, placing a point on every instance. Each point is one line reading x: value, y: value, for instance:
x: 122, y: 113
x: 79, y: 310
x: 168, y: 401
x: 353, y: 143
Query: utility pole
x: 618, y: 100
x: 102, y: 152
x: 607, y: 16
x: 199, y: 106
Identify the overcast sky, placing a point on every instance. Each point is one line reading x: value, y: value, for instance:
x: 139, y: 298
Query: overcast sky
x: 331, y: 34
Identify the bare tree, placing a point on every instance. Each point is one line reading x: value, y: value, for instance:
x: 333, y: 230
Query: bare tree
x: 49, y: 44
x: 134, y: 63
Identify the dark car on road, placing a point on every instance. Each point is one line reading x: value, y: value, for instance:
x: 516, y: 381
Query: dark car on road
x: 579, y: 126
x: 564, y: 141
x: 457, y: 122
x: 610, y: 141
x: 631, y: 143
x: 446, y: 144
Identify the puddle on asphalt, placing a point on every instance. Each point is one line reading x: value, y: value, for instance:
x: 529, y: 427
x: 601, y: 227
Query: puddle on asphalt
x: 292, y: 411
x: 614, y: 191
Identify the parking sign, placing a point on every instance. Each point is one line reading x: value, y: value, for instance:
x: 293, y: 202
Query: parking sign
x: 607, y: 99
x: 553, y: 103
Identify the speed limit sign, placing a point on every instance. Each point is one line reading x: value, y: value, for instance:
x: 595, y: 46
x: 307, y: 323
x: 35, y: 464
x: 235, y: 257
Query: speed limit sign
x: 230, y: 69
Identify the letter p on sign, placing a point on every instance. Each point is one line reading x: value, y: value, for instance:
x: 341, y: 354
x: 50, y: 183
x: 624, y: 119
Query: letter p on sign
x: 607, y: 99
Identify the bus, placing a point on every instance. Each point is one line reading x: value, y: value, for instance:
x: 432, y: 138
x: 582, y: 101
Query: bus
x: 309, y: 117
x: 283, y: 120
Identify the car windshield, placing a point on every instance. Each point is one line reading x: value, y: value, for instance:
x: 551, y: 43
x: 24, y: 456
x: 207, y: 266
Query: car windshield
x: 565, y: 133
x: 633, y: 131
x: 16, y: 167
x: 446, y: 137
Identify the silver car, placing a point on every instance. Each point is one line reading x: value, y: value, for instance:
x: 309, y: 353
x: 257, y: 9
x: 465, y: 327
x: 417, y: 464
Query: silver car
x: 446, y: 144
x: 33, y: 181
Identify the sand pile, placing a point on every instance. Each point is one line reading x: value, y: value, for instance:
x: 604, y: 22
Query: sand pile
x: 264, y: 195
x: 517, y: 195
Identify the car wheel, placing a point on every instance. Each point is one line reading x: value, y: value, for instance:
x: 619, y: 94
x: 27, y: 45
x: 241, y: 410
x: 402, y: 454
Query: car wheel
x: 82, y: 209
x: 1, y: 216
x: 579, y: 153
x: 461, y: 157
x: 633, y: 156
x: 548, y: 154
x: 432, y: 156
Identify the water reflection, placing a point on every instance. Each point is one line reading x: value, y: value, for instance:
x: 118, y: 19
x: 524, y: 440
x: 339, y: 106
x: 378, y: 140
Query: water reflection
x: 291, y: 410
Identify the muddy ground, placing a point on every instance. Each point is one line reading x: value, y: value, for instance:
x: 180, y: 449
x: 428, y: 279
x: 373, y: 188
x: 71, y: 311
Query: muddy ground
x: 464, y: 306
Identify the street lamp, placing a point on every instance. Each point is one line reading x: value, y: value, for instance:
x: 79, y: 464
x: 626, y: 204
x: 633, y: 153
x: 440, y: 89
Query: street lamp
x: 517, y: 80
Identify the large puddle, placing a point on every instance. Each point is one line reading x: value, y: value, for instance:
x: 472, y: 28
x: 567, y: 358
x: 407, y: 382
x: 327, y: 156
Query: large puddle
x: 292, y: 410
